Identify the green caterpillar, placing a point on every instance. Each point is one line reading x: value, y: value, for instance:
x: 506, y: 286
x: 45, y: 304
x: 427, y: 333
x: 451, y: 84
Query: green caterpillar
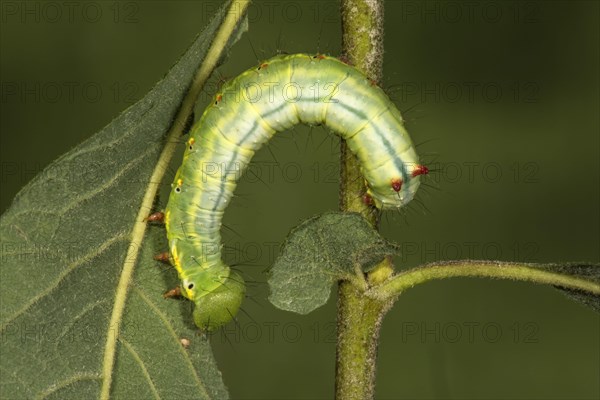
x: 273, y: 97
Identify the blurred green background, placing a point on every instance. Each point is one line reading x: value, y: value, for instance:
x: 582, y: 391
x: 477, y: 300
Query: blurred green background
x: 501, y: 98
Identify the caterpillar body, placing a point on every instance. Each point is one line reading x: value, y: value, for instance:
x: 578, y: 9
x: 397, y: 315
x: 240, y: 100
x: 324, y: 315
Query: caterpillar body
x: 281, y: 92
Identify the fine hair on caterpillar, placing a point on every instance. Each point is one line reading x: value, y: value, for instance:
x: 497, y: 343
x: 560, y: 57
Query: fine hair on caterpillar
x: 272, y: 97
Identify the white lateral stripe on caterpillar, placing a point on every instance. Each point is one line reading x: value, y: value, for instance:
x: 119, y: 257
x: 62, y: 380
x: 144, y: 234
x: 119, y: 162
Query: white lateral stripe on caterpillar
x: 246, y: 113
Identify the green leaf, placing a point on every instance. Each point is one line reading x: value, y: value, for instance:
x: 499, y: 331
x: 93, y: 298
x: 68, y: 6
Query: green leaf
x: 63, y: 246
x: 590, y: 272
x: 320, y: 251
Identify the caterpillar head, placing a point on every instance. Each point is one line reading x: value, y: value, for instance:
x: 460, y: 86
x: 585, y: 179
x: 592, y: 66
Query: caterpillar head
x: 396, y: 187
x: 220, y: 305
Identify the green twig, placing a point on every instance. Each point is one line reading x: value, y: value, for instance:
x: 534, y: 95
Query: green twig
x: 537, y: 273
x: 360, y: 309
x: 359, y: 317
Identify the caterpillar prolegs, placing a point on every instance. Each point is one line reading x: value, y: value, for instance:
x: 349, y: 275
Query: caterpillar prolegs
x: 278, y: 94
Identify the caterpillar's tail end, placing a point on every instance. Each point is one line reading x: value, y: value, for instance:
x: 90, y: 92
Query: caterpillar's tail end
x: 220, y: 306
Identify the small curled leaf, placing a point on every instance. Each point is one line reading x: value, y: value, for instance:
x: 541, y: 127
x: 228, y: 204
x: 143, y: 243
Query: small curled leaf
x: 319, y: 252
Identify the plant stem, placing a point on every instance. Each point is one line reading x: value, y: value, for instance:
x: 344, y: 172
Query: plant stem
x: 359, y: 323
x: 537, y: 273
x: 362, y: 37
x: 359, y: 317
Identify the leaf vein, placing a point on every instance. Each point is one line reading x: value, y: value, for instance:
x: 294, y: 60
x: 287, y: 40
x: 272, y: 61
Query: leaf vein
x: 140, y: 362
x: 67, y: 382
x: 72, y: 322
x: 72, y: 267
x: 118, y: 140
x: 109, y: 183
x: 174, y: 335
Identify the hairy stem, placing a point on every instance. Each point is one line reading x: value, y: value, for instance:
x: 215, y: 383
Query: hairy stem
x: 537, y: 273
x: 362, y: 36
x: 359, y: 317
x: 359, y: 323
